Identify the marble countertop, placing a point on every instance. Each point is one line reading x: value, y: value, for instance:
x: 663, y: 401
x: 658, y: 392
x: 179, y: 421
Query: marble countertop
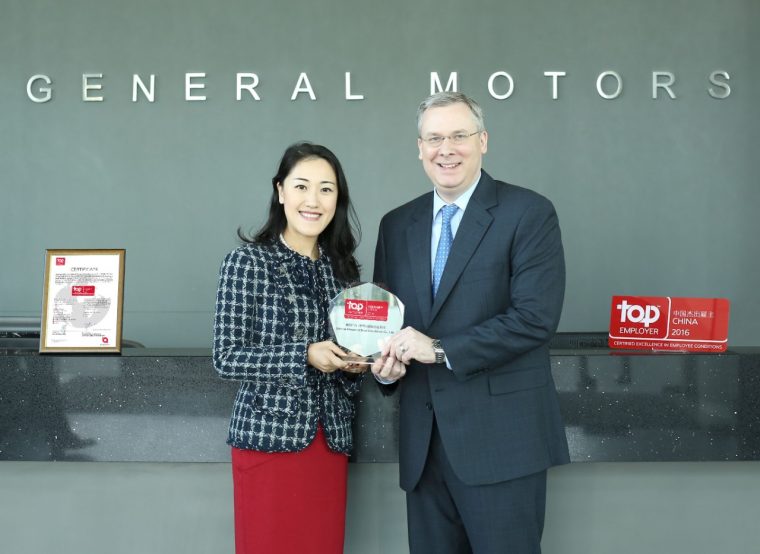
x: 169, y: 405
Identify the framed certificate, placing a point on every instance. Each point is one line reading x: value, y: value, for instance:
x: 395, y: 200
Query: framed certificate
x: 82, y: 301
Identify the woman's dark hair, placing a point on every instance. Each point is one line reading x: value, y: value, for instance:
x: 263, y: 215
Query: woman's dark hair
x: 338, y: 238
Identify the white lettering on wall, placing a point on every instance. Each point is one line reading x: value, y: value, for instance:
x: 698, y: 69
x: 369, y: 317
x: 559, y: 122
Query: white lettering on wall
x: 554, y: 75
x: 250, y: 86
x: 87, y: 87
x: 190, y: 86
x: 148, y: 92
x: 303, y: 85
x: 500, y: 86
x: 600, y: 80
x: 510, y: 87
x: 436, y: 86
x: 726, y: 89
x: 350, y: 96
x: 47, y: 92
x: 657, y: 83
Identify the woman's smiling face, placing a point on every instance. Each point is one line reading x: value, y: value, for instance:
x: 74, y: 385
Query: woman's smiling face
x: 309, y: 195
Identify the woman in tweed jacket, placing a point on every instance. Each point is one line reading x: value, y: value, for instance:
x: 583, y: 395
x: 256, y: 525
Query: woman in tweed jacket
x: 290, y: 430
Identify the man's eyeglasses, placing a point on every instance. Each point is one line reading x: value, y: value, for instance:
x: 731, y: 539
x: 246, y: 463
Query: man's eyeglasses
x: 458, y: 138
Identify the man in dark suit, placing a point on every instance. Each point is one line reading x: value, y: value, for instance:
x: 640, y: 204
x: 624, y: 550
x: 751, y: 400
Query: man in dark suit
x: 479, y: 265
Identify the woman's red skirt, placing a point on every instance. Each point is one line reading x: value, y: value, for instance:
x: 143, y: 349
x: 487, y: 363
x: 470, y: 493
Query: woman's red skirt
x: 291, y: 502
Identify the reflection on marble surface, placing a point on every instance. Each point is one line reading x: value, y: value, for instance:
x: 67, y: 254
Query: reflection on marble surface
x: 164, y: 405
x: 660, y: 407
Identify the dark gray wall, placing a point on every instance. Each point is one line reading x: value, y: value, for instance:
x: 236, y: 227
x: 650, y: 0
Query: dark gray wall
x: 656, y: 197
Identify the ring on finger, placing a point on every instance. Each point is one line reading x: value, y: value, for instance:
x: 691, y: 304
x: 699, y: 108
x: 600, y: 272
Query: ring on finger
x: 403, y: 348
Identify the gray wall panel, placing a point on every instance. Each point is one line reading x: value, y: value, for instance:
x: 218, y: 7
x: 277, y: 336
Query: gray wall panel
x: 673, y: 508
x: 655, y: 196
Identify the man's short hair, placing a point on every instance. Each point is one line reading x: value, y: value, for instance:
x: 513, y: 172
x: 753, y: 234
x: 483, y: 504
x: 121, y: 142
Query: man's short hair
x: 441, y: 99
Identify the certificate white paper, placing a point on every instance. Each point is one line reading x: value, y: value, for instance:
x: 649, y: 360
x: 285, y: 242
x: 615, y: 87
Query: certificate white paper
x: 82, y: 301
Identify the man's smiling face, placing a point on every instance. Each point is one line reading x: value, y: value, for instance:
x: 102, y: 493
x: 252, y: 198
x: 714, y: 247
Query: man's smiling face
x: 451, y: 167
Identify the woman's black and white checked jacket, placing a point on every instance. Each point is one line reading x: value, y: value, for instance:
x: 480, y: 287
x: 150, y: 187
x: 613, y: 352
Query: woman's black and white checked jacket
x: 271, y: 304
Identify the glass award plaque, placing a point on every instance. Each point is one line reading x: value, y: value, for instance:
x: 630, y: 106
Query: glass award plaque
x: 363, y: 317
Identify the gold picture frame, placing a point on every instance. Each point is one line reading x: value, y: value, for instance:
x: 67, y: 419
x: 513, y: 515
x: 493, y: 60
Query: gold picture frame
x: 82, y: 301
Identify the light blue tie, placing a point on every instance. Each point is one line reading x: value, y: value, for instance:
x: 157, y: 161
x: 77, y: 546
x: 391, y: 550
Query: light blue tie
x: 444, y: 245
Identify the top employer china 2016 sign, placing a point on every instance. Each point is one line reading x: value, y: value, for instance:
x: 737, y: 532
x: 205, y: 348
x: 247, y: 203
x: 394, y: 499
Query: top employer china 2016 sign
x: 666, y: 323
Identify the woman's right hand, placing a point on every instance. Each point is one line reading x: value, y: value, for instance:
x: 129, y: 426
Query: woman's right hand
x: 326, y: 356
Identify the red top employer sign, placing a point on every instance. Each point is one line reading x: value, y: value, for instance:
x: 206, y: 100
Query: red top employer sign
x: 666, y: 323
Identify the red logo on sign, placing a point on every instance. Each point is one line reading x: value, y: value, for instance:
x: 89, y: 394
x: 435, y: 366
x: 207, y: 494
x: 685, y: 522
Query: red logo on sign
x: 83, y: 290
x: 666, y: 323
x: 374, y: 310
x: 105, y: 340
x: 640, y: 317
x: 60, y: 261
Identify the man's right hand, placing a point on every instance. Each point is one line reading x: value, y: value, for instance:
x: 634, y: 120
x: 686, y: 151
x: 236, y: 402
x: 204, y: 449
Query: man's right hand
x: 388, y: 369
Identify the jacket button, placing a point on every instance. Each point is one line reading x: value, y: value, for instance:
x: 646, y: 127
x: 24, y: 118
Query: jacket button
x: 428, y: 405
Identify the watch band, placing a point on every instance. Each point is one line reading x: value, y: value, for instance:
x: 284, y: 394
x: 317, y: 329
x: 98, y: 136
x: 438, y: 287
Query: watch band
x: 440, y: 355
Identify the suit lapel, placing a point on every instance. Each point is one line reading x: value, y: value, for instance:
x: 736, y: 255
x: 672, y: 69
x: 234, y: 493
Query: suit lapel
x: 418, y: 244
x: 473, y: 227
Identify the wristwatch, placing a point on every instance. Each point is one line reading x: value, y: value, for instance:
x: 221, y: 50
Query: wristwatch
x: 440, y: 355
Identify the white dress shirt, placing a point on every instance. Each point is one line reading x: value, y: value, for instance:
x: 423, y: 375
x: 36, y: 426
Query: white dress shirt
x: 438, y: 204
x: 435, y: 236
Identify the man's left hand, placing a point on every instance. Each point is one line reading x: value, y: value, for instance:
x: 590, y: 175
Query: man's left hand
x: 409, y: 344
